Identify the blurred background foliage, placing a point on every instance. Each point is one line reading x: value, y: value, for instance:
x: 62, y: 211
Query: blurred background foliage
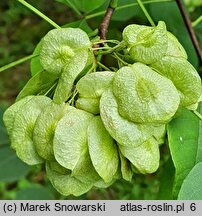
x: 21, y: 30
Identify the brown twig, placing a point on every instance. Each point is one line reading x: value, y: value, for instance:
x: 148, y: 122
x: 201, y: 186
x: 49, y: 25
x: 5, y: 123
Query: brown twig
x: 105, y: 22
x: 190, y: 29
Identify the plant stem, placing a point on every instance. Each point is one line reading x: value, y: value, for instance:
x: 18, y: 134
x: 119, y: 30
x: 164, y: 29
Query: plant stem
x: 106, y: 20
x: 107, y: 41
x: 103, y: 66
x: 100, y: 13
x: 197, y: 21
x: 101, y: 48
x: 33, y: 9
x: 71, y: 101
x: 51, y: 88
x: 119, y: 59
x: 94, y: 15
x: 119, y: 46
x: 92, y: 68
x: 19, y: 61
x: 197, y: 114
x: 145, y: 12
x: 188, y: 24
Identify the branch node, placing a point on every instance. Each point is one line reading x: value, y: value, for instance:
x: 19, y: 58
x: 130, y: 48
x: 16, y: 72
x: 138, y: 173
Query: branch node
x: 105, y: 22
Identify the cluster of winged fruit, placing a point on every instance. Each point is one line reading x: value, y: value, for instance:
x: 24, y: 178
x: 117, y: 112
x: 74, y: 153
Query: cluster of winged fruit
x: 91, y: 128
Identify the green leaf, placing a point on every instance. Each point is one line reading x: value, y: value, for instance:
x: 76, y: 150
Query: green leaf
x: 37, y: 192
x: 35, y: 64
x: 193, y: 3
x: 167, y: 175
x: 44, y: 129
x: 83, y: 5
x: 22, y: 134
x: 126, y: 13
x: 87, y: 6
x: 184, y: 136
x: 3, y: 133
x: 71, y: 4
x: 82, y: 24
x: 102, y: 149
x: 191, y: 186
x: 69, y: 74
x: 143, y: 95
x: 11, y: 167
x: 94, y: 84
x: 3, y: 136
x: 70, y: 140
x: 39, y: 84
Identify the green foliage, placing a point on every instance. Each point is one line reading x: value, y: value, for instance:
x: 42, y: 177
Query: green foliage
x: 41, y: 83
x: 11, y: 167
x: 3, y: 134
x: 83, y: 5
x: 35, y: 65
x: 128, y: 13
x: 135, y: 104
x: 191, y: 185
x: 184, y: 139
x: 34, y: 193
x: 193, y: 3
x: 167, y: 176
x: 82, y: 24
